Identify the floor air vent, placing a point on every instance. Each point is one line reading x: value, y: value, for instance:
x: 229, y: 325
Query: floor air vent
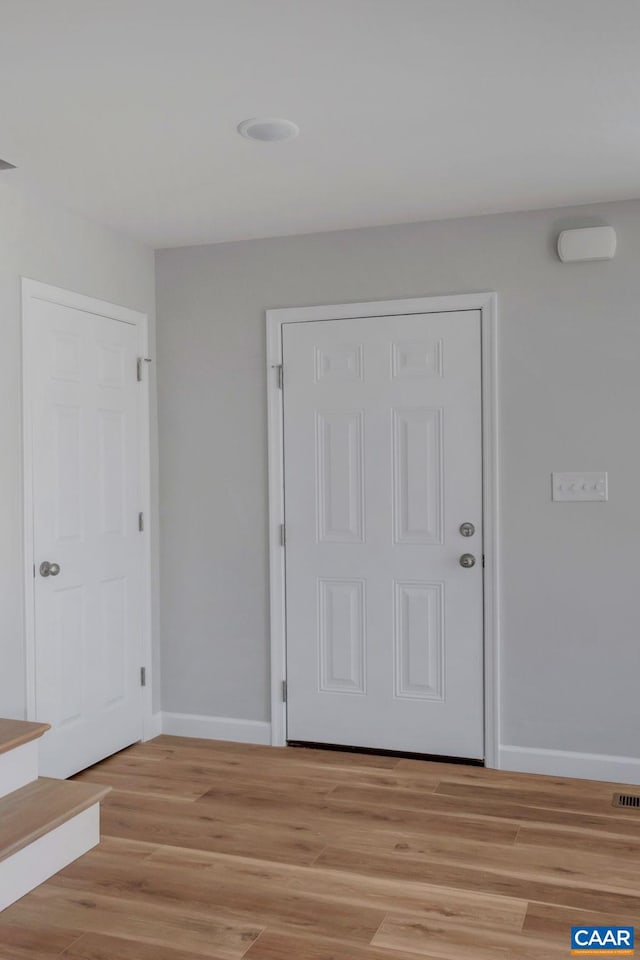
x: 629, y: 800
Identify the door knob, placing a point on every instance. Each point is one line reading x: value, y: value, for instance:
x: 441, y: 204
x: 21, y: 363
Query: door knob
x: 467, y: 560
x: 49, y: 569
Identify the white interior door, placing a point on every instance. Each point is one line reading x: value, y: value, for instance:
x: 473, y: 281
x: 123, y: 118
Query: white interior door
x: 86, y: 499
x: 383, y: 465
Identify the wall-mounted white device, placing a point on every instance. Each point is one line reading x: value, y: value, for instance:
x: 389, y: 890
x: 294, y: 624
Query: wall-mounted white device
x: 587, y: 243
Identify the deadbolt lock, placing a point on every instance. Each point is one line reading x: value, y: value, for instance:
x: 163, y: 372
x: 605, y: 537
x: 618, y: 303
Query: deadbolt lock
x: 467, y: 529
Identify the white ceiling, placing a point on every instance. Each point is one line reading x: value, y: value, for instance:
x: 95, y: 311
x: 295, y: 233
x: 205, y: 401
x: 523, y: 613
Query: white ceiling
x: 126, y: 110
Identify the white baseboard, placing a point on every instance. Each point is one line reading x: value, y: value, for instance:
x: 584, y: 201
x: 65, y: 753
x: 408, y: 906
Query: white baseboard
x: 18, y: 767
x: 216, y: 728
x: 152, y: 726
x: 566, y: 763
x: 32, y: 865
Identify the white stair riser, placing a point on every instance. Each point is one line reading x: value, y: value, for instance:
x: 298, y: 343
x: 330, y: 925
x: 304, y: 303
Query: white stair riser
x: 34, y: 864
x: 18, y: 767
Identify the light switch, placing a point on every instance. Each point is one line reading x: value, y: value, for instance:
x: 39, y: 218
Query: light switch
x: 580, y: 486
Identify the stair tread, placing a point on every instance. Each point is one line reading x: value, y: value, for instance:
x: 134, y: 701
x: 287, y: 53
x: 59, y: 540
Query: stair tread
x: 13, y: 733
x: 40, y: 807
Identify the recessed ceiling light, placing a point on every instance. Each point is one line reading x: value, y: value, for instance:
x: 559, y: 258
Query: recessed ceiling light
x: 268, y: 129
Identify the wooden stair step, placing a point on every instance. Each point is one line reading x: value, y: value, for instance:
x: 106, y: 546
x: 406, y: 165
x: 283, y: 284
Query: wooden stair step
x: 41, y: 806
x: 14, y: 733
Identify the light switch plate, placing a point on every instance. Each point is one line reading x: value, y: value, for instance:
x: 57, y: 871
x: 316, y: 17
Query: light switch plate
x: 580, y: 486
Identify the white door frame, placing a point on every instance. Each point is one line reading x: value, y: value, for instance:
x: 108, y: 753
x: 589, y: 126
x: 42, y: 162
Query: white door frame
x: 487, y: 304
x: 34, y: 290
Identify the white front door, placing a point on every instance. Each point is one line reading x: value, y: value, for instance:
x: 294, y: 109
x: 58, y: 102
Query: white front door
x: 383, y: 466
x: 86, y: 499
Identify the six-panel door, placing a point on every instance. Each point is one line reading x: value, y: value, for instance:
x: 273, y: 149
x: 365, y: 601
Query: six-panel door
x: 86, y: 499
x: 384, y: 626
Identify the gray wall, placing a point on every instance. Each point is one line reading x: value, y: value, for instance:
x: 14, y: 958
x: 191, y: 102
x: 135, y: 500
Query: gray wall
x: 50, y: 245
x: 569, y: 346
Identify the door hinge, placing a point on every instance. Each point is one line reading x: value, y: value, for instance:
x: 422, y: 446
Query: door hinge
x: 280, y: 375
x: 139, y: 363
x: 143, y: 676
x: 141, y: 521
x: 283, y: 535
x: 284, y: 691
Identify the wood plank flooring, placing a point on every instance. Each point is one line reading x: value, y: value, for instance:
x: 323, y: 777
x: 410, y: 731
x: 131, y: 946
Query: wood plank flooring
x: 230, y: 851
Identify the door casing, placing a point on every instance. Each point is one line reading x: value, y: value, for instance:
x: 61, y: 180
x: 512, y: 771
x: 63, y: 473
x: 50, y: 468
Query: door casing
x: 487, y: 304
x: 34, y: 290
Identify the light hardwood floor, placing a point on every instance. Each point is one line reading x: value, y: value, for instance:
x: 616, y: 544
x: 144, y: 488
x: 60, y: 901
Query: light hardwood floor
x: 225, y: 851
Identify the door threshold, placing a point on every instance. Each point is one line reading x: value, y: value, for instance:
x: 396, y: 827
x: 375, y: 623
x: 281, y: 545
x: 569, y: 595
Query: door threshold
x: 376, y: 751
